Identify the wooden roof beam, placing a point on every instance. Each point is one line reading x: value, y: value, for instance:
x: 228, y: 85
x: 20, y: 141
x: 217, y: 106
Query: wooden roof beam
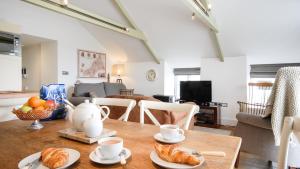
x: 214, y: 35
x: 133, y: 24
x: 203, y: 13
x: 81, y: 14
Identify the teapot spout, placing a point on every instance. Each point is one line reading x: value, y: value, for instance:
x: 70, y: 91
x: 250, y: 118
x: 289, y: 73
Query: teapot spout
x: 69, y: 113
x: 70, y: 107
x: 69, y: 104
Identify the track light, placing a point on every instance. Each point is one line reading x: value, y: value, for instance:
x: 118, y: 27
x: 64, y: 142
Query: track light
x: 209, y: 6
x: 193, y: 16
x: 64, y: 2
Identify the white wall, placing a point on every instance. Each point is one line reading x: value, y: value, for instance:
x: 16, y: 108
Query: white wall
x: 10, y: 73
x: 68, y: 32
x: 31, y: 60
x: 273, y: 59
x: 169, y: 78
x: 135, y: 78
x: 10, y: 64
x: 229, y: 83
x: 49, y: 62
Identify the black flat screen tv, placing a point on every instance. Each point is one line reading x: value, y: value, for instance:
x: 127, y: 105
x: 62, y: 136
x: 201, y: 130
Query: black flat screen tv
x: 195, y: 91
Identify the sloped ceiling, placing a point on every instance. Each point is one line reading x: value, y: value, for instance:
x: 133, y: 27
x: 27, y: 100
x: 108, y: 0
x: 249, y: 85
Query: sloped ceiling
x: 268, y: 28
x: 247, y: 27
x: 167, y: 24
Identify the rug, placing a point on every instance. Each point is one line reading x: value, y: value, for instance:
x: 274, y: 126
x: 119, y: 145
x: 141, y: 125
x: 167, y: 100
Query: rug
x: 213, y: 130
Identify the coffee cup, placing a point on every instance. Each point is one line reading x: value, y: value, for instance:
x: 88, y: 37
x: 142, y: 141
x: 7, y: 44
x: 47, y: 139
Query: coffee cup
x: 109, y: 148
x: 171, y: 132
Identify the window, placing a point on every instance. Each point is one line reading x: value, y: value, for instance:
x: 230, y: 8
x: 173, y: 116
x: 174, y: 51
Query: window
x: 268, y: 70
x: 263, y: 73
x: 185, y: 74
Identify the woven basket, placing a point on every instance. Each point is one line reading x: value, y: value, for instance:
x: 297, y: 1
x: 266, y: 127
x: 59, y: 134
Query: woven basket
x: 33, y: 114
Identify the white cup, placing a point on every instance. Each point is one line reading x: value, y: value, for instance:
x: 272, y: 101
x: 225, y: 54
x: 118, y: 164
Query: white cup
x: 109, y: 147
x: 171, y: 132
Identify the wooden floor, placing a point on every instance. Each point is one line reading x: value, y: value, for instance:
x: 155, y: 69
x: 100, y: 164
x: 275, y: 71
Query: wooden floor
x: 247, y: 161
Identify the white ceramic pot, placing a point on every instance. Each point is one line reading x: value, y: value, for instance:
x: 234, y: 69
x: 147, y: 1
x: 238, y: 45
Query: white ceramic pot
x: 83, y: 112
x: 92, y: 128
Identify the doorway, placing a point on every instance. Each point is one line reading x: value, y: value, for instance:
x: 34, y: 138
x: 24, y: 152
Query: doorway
x: 39, y: 62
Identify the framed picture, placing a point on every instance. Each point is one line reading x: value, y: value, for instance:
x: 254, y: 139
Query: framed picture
x: 91, y: 64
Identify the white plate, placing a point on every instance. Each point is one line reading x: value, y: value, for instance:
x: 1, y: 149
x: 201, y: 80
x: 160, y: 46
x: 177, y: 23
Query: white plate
x: 73, y: 157
x: 160, y: 138
x: 115, y: 160
x: 157, y: 160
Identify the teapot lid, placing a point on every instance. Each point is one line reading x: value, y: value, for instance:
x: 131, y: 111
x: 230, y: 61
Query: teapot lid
x: 86, y: 104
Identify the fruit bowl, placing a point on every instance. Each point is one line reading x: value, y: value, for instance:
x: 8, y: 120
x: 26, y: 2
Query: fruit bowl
x: 33, y: 114
x: 35, y: 109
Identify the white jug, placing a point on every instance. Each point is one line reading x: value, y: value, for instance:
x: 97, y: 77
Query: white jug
x: 89, y: 113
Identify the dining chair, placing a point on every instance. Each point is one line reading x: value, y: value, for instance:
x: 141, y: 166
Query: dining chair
x: 291, y: 129
x: 129, y: 103
x: 145, y: 105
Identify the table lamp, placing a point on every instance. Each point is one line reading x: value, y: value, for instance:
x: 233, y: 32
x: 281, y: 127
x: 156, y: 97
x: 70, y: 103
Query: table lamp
x: 118, y: 70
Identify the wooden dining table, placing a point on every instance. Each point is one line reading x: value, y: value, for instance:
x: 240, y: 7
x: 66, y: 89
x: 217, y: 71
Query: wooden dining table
x: 18, y: 142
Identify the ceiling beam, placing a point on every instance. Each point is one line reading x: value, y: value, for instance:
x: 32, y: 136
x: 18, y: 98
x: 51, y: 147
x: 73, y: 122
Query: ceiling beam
x: 214, y: 35
x: 215, y: 38
x: 200, y: 14
x: 133, y: 24
x: 81, y: 14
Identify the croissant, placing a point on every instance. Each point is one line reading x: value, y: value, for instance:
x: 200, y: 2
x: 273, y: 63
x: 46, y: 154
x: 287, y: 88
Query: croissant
x: 170, y: 153
x: 54, y: 157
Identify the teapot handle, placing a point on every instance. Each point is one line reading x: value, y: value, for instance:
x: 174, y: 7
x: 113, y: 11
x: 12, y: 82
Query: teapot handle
x: 107, y: 114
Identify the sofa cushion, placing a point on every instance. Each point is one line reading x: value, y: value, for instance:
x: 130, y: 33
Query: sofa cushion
x: 254, y: 120
x: 113, y: 88
x: 84, y: 89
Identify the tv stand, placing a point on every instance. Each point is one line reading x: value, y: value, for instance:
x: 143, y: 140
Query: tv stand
x: 208, y: 116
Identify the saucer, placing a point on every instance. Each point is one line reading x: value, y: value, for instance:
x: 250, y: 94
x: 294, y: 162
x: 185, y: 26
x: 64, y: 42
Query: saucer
x: 115, y: 160
x: 160, y: 138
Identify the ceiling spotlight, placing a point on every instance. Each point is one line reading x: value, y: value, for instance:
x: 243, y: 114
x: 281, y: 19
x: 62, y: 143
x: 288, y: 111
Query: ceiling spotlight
x: 209, y: 6
x: 193, y: 16
x: 127, y: 29
x: 64, y: 2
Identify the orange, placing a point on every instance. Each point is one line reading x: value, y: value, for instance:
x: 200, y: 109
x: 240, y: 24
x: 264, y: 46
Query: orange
x: 34, y: 102
x: 40, y: 108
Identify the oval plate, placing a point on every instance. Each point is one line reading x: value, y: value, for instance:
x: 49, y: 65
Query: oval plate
x: 157, y: 160
x: 74, y: 155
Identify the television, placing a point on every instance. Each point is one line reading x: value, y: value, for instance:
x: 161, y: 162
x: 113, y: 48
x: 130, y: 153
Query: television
x: 195, y: 91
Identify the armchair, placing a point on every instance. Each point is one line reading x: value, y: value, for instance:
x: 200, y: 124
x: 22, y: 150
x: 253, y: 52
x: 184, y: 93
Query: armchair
x: 257, y: 131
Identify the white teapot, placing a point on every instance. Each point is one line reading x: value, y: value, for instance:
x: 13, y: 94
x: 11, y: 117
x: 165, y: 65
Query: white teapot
x: 87, y: 117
